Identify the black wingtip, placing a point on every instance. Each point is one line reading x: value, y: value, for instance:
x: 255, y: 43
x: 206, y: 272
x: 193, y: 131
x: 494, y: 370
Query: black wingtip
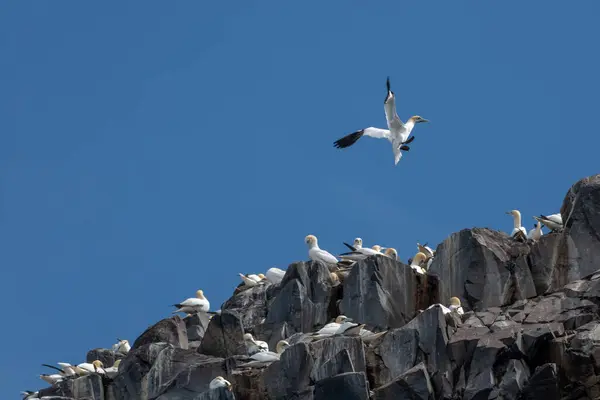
x: 409, y: 140
x: 404, y: 147
x: 349, y: 246
x: 387, y: 83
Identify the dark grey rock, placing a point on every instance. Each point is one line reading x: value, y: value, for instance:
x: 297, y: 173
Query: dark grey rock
x: 514, y: 379
x: 214, y: 394
x: 326, y: 350
x: 543, y: 384
x: 224, y: 336
x: 170, y: 330
x: 348, y: 386
x: 384, y: 293
x: 413, y: 384
x: 291, y: 374
x: 251, y: 304
x: 135, y: 366
x: 481, y: 379
x: 339, y: 364
x: 486, y: 268
x: 196, y: 325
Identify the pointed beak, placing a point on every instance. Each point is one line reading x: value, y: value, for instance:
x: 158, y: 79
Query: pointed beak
x: 424, y: 120
x: 507, y: 212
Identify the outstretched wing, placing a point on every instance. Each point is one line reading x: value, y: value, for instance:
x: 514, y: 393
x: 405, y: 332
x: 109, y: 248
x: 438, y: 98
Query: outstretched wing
x: 350, y: 139
x: 389, y: 105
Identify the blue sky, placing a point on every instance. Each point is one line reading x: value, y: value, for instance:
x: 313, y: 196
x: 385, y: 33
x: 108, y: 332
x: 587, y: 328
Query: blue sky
x: 150, y: 149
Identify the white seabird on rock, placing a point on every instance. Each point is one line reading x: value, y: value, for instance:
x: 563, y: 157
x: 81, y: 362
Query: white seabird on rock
x: 518, y: 231
x: 218, y: 382
x: 122, y: 346
x: 397, y: 134
x: 455, y: 306
x: 254, y: 346
x: 193, y: 305
x: 275, y: 275
x: 332, y: 327
x: 536, y: 233
x: 553, y: 222
x: 252, y: 279
x: 113, y: 371
x: 268, y: 356
x: 52, y: 379
x: 428, y: 251
x: 358, y: 248
x: 391, y: 253
x: 316, y: 254
x: 416, y: 263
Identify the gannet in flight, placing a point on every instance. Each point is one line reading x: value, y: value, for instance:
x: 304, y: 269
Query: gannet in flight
x: 553, y: 222
x: 316, y: 254
x: 218, y: 382
x: 254, y: 346
x: 275, y: 275
x: 536, y: 233
x: 416, y: 263
x: 268, y: 356
x: 122, y: 346
x: 518, y: 231
x: 397, y: 134
x: 193, y: 305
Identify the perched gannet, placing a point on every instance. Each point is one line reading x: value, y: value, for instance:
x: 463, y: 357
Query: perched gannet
x: 193, y: 305
x: 335, y: 279
x: 392, y: 253
x: 122, y: 346
x: 254, y: 346
x: 113, y: 371
x: 428, y: 251
x: 416, y: 263
x: 553, y: 222
x: 376, y: 248
x: 275, y: 275
x: 455, y: 305
x: 358, y: 248
x: 268, y: 356
x: 69, y: 370
x: 536, y: 233
x: 90, y: 368
x: 397, y: 134
x: 518, y: 232
x: 332, y: 327
x: 218, y: 382
x: 28, y: 394
x: 52, y: 379
x: 316, y: 254
x: 252, y: 279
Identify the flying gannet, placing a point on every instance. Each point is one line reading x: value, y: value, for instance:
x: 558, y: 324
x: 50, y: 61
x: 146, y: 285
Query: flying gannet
x: 553, y: 222
x: 193, y: 305
x: 218, y: 382
x: 252, y: 279
x: 275, y: 275
x: 416, y: 263
x: 269, y: 356
x: 316, y: 254
x: 254, y: 346
x: 122, y: 346
x: 518, y: 231
x: 397, y: 134
x: 536, y: 233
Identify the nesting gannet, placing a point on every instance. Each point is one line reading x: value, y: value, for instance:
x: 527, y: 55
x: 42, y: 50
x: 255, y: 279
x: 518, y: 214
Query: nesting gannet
x: 358, y: 248
x: 252, y: 279
x: 392, y: 253
x: 536, y: 233
x: 553, y: 222
x: 416, y: 263
x: 376, y: 248
x: 69, y: 370
x: 397, y: 134
x: 113, y: 371
x: 428, y: 251
x: 332, y: 327
x: 218, y: 382
x: 52, y: 379
x: 275, y: 275
x: 122, y: 346
x: 268, y: 356
x: 29, y: 394
x: 316, y: 254
x: 90, y: 368
x: 455, y: 305
x: 254, y: 346
x: 193, y: 305
x: 518, y: 231
x: 356, y: 245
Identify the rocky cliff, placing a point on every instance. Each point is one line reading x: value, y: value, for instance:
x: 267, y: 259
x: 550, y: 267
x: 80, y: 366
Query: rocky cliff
x: 531, y: 328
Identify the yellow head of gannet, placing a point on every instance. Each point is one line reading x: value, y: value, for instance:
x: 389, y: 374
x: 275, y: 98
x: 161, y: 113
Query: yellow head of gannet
x: 418, y: 259
x: 200, y: 294
x: 117, y: 363
x: 98, y: 365
x: 390, y: 251
x: 334, y: 277
x: 358, y: 243
x: 516, y: 217
x: 417, y: 119
x: 455, y: 301
x: 377, y: 248
x: 311, y: 240
x: 219, y: 381
x: 262, y: 276
x: 340, y: 319
x: 281, y: 346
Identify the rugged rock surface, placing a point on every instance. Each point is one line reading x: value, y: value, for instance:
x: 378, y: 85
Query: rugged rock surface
x: 531, y: 328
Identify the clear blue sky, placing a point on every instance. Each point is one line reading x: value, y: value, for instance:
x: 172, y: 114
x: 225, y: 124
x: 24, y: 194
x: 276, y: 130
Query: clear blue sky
x: 149, y: 150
